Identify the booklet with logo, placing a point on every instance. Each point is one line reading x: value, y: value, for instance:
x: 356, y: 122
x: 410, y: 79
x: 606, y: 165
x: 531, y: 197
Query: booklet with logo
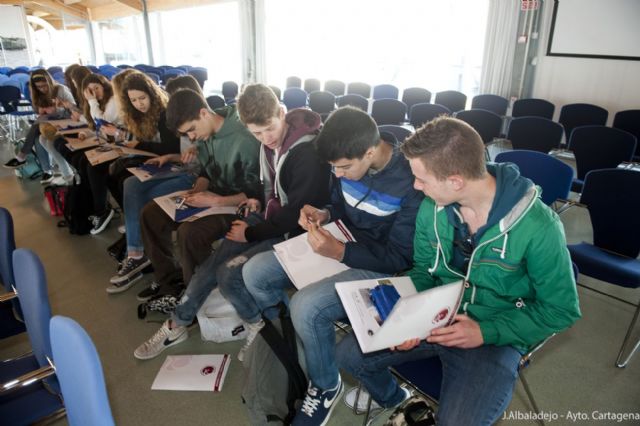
x: 108, y: 152
x: 413, y: 316
x: 192, y: 373
x: 145, y: 172
x: 75, y: 144
x: 302, y: 264
x: 174, y: 205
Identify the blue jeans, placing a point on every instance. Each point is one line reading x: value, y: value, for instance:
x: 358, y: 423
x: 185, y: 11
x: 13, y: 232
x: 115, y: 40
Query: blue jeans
x: 137, y: 194
x: 223, y: 268
x: 477, y: 384
x: 313, y: 310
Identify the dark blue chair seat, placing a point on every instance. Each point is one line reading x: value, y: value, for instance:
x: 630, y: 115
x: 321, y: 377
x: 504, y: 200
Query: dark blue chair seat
x: 424, y: 374
x: 596, y: 262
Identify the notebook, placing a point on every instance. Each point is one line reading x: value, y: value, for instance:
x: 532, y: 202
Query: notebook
x: 192, y: 373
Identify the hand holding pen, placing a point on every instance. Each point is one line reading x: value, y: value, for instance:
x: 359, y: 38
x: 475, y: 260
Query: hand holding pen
x: 310, y: 214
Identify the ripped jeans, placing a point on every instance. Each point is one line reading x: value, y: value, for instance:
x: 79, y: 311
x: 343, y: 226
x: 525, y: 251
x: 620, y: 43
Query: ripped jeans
x: 223, y: 268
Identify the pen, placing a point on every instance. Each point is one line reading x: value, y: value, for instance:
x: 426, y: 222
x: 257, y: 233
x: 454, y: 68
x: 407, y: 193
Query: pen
x: 181, y: 203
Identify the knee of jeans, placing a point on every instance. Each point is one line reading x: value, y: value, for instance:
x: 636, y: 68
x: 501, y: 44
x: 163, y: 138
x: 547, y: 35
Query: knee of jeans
x: 228, y: 269
x: 304, y: 310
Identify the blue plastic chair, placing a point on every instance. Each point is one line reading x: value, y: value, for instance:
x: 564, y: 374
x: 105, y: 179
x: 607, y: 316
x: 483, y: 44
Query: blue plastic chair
x: 19, y: 70
x: 5, y: 70
x: 215, y: 102
x: 533, y: 107
x: 354, y: 100
x: 388, y: 111
x: 486, y: 123
x: 336, y: 87
x: 549, y: 173
x: 123, y: 66
x: 311, y: 85
x: 169, y: 73
x: 629, y: 121
x: 400, y: 132
x: 93, y: 68
x: 322, y: 102
x: 80, y: 374
x: 60, y: 78
x: 452, y: 99
x: 20, y: 403
x: 359, y: 88
x: 422, y: 113
x: 54, y: 69
x: 385, y: 91
x: 535, y: 134
x: 576, y: 115
x: 599, y: 147
x: 229, y: 90
x: 153, y: 76
x: 294, y: 97
x: 23, y: 80
x: 11, y: 319
x: 200, y: 74
x: 494, y: 103
x: 293, y: 81
x: 611, y: 197
x: 415, y: 95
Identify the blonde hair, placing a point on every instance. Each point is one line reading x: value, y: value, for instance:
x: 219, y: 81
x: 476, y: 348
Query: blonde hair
x: 144, y: 126
x: 39, y: 99
x: 257, y: 104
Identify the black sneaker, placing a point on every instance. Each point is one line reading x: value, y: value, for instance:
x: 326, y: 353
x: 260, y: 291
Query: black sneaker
x: 149, y: 292
x: 46, y: 178
x: 14, y: 163
x: 124, y: 285
x: 100, y: 222
x: 130, y: 267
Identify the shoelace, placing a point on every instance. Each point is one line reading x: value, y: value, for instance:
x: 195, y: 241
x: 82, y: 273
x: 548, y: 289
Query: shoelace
x: 128, y: 264
x: 160, y: 335
x: 311, y: 402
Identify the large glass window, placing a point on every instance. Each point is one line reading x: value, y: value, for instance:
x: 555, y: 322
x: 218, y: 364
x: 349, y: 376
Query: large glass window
x: 121, y: 41
x: 435, y: 45
x: 206, y: 36
x: 64, y: 46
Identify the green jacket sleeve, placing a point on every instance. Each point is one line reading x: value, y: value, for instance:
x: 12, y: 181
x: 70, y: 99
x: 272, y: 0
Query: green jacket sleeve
x: 554, y: 305
x: 423, y: 252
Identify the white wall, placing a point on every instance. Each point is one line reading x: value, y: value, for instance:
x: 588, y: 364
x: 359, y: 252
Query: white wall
x: 611, y: 84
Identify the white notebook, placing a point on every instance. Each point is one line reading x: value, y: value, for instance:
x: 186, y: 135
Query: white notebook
x: 413, y: 316
x: 192, y: 373
x: 302, y: 264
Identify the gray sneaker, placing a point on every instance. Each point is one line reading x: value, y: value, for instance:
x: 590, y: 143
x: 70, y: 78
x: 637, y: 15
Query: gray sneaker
x: 253, y: 330
x: 124, y: 285
x: 161, y: 340
x: 129, y: 268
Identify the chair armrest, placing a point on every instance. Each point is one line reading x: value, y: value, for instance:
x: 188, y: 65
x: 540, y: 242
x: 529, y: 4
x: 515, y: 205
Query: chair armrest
x: 28, y: 379
x: 567, y: 204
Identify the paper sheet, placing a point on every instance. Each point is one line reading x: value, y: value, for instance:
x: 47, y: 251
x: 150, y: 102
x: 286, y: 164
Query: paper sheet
x: 192, y: 373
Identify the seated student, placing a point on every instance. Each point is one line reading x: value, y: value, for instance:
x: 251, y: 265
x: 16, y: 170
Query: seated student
x: 293, y: 176
x: 137, y: 193
x: 488, y: 226
x: 47, y: 98
x: 228, y: 154
x: 372, y: 193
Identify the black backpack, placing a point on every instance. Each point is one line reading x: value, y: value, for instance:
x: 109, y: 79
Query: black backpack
x: 77, y: 209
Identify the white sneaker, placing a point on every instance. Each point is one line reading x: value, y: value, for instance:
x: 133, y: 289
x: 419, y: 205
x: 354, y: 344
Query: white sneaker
x: 253, y: 330
x: 160, y: 341
x: 363, y: 400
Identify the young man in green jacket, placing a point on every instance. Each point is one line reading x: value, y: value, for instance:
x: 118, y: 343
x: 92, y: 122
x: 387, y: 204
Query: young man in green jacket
x: 486, y: 225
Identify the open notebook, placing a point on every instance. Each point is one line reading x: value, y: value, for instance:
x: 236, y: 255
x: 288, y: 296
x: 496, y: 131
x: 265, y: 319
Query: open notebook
x: 302, y: 264
x: 413, y: 316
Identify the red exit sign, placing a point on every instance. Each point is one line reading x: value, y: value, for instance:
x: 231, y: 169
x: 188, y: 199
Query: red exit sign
x: 529, y: 5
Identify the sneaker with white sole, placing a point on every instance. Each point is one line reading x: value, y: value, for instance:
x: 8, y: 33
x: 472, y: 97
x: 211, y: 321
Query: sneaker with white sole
x: 363, y: 400
x: 318, y: 405
x: 148, y: 292
x: 100, y: 222
x: 46, y: 178
x: 129, y: 268
x: 62, y: 181
x: 253, y: 330
x: 161, y: 340
x: 125, y: 285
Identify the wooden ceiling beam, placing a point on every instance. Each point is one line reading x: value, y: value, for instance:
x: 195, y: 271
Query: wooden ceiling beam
x: 134, y: 4
x: 73, y: 10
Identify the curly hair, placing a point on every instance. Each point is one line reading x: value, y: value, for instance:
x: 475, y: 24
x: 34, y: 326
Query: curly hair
x: 108, y: 93
x: 118, y: 89
x: 39, y: 99
x: 144, y: 126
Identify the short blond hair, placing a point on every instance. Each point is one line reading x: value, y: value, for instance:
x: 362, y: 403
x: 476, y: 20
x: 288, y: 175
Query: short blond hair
x: 257, y: 104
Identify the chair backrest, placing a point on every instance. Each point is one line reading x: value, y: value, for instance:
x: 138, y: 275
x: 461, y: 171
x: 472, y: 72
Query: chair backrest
x: 385, y: 91
x: 5, y: 70
x: 388, y: 111
x: 534, y: 134
x: 200, y: 74
x: 629, y: 121
x: 123, y: 66
x: 359, y: 88
x: 60, y: 77
x: 19, y: 70
x: 80, y: 374
x: 549, y: 173
x: 400, y: 132
x: 576, y: 115
x: 9, y: 97
x: 494, y: 103
x: 486, y: 123
x: 322, y: 102
x: 215, y: 101
x: 354, y: 100
x: 600, y: 147
x: 611, y: 196
x: 31, y: 284
x: 229, y: 89
x: 153, y: 76
x: 7, y: 247
x: 171, y: 73
x: 294, y: 97
x: 452, y: 99
x: 277, y: 92
x: 422, y: 113
x: 293, y: 81
x: 311, y: 85
x: 533, y: 107
x: 415, y: 95
x: 334, y: 86
x: 54, y: 69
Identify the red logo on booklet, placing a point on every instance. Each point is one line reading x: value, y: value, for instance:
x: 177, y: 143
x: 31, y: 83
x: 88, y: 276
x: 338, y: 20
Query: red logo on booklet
x: 209, y: 369
x: 441, y: 316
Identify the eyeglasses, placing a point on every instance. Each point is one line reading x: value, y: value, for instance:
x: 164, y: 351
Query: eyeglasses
x: 466, y: 248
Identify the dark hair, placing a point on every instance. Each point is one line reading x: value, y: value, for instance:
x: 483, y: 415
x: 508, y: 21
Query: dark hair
x: 77, y: 75
x: 184, y: 105
x: 68, y: 81
x: 143, y: 126
x: 182, y: 82
x: 448, y: 146
x: 257, y: 104
x: 108, y: 93
x: 348, y: 133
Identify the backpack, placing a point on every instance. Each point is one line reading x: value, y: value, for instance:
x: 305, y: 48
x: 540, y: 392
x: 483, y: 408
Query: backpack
x: 163, y: 303
x: 416, y: 411
x: 78, y: 207
x: 272, y: 356
x: 219, y: 322
x: 55, y: 196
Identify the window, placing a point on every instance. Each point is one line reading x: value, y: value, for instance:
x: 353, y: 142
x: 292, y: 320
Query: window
x: 121, y: 41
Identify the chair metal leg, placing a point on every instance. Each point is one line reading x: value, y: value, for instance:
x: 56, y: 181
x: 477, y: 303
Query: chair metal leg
x: 625, y: 342
x: 532, y: 400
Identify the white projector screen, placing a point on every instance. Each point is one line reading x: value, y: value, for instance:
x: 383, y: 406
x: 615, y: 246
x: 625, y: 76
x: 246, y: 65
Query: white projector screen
x: 606, y: 29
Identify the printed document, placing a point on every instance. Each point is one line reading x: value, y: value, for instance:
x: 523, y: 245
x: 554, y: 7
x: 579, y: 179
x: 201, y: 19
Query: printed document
x: 192, y: 373
x: 145, y: 172
x: 174, y: 205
